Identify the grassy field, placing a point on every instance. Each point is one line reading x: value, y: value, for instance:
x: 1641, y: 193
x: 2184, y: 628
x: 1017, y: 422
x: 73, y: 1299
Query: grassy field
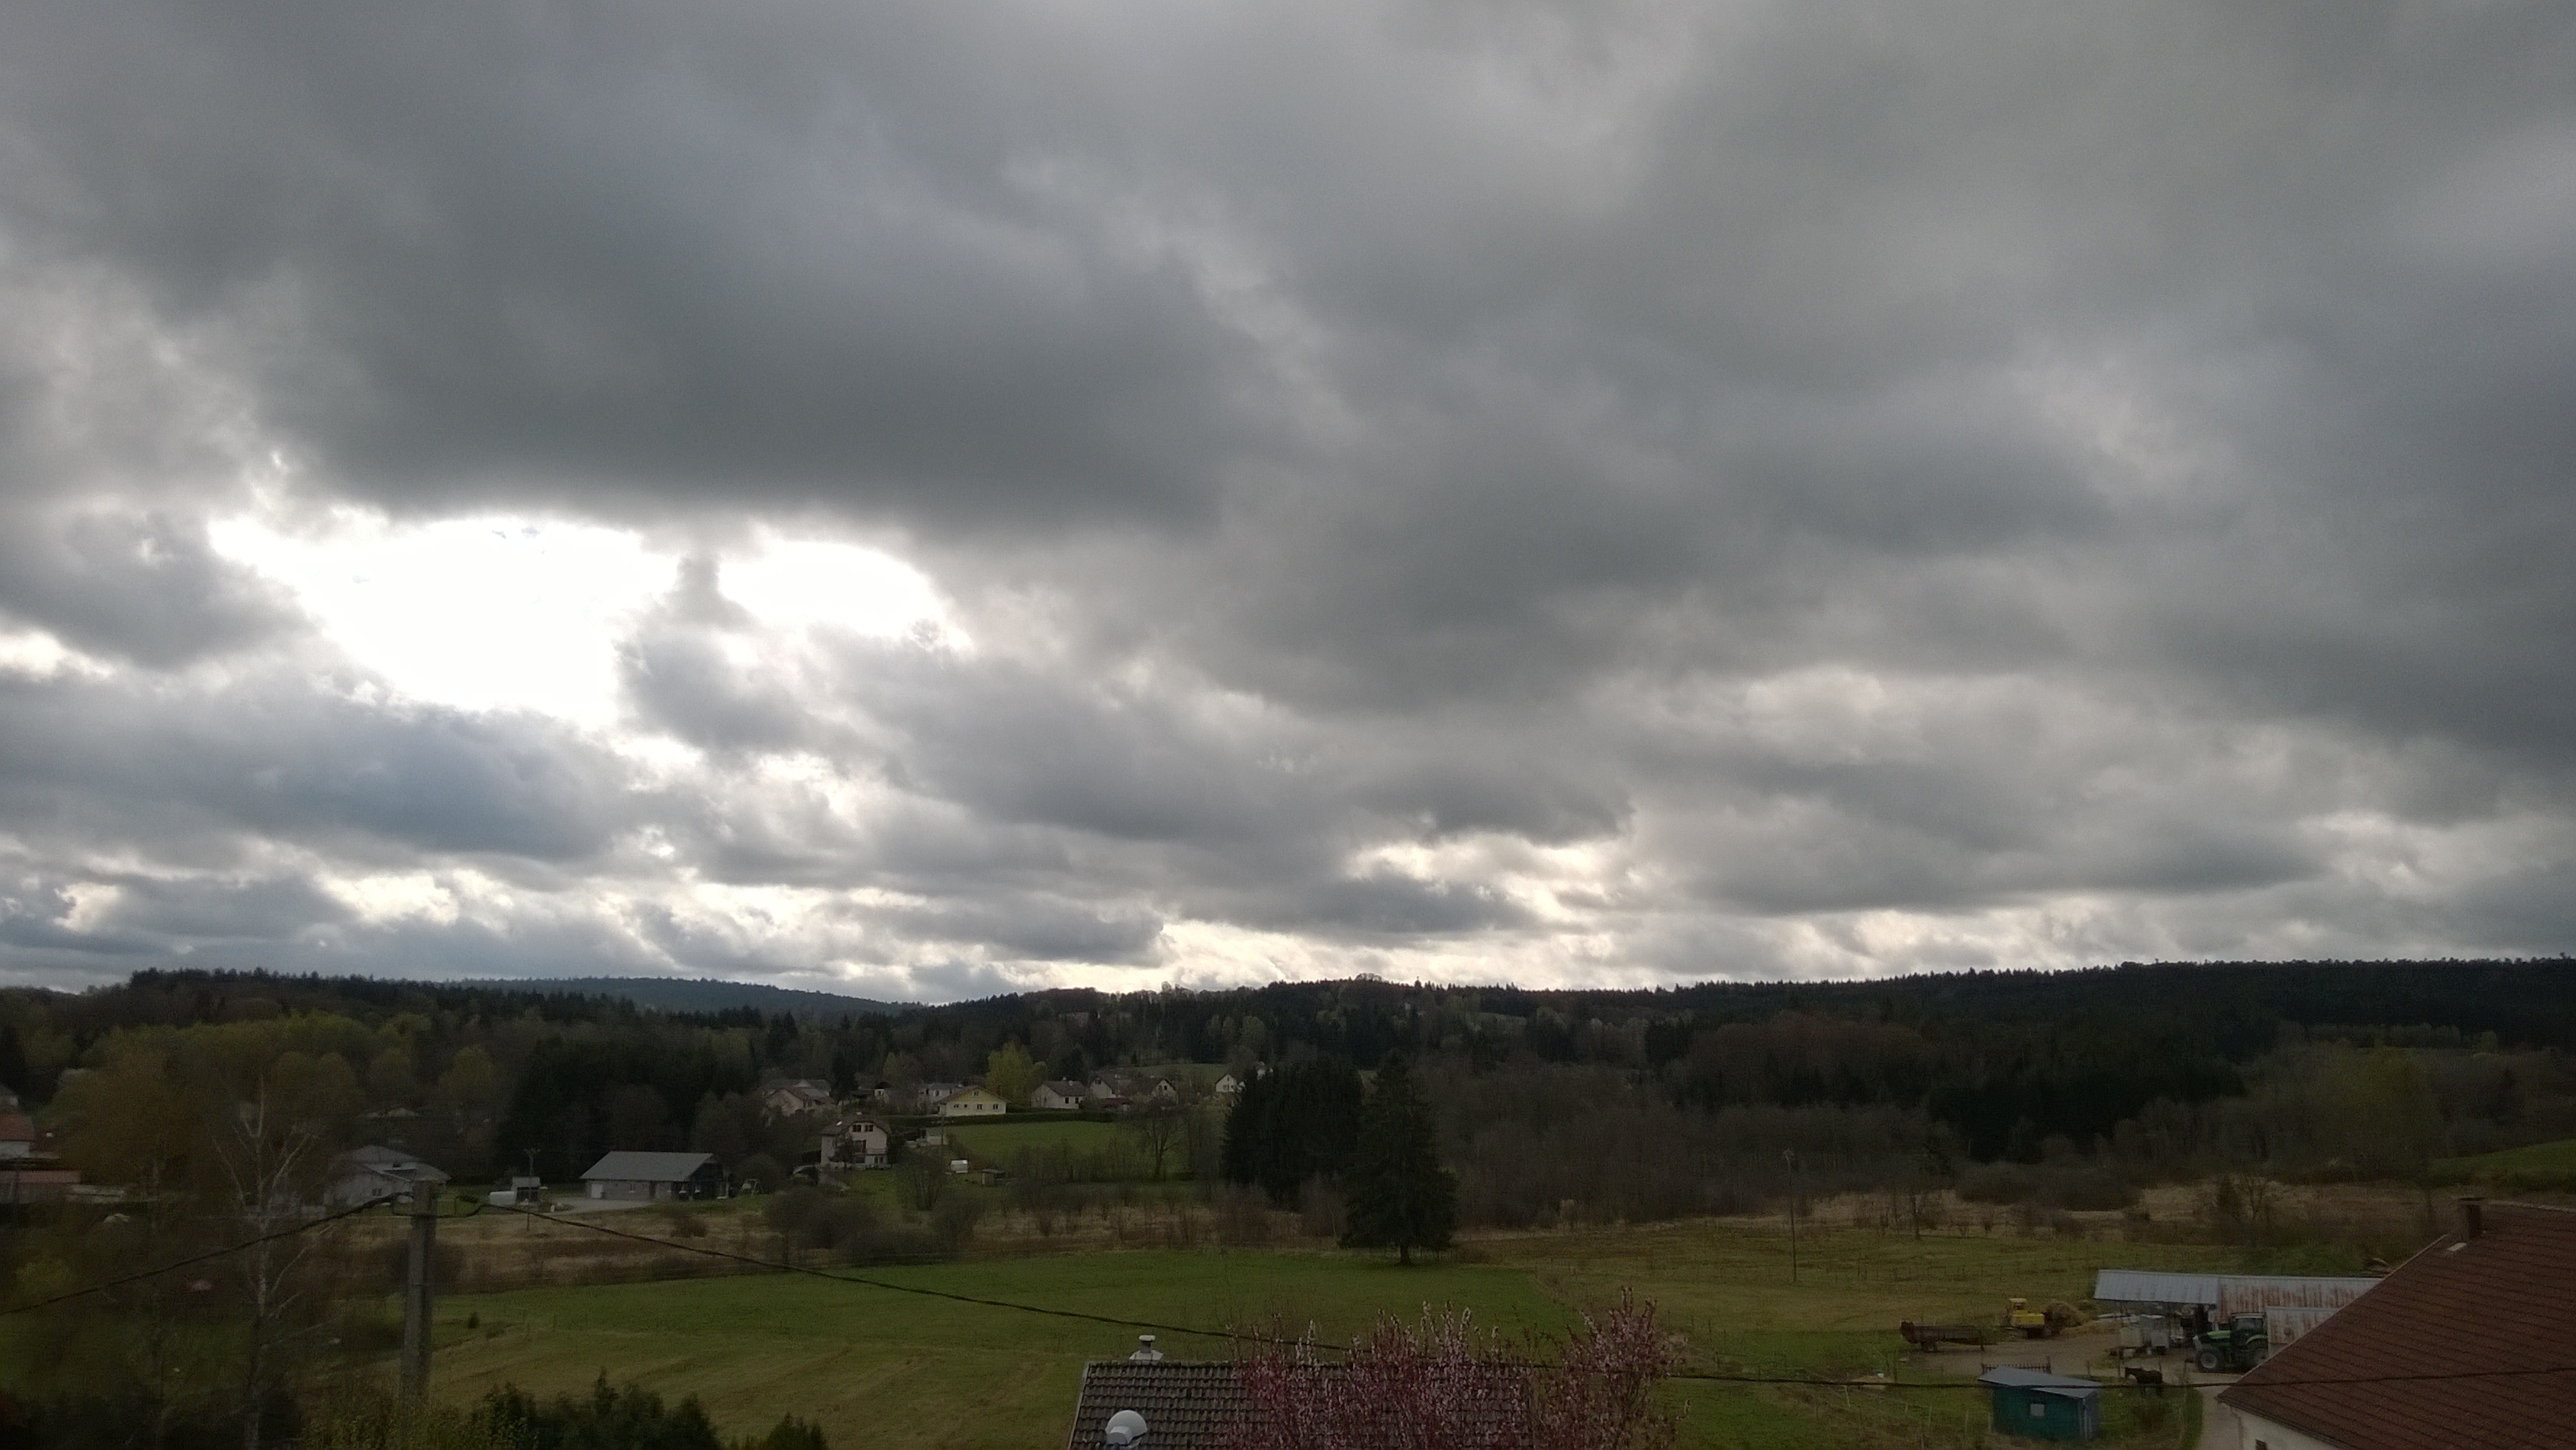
x: 2552, y: 1158
x: 996, y: 1139
x: 924, y: 1372
x: 921, y: 1371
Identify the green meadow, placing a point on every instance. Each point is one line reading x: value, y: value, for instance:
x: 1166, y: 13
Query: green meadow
x: 2553, y: 1158
x: 880, y: 1367
x: 998, y: 1139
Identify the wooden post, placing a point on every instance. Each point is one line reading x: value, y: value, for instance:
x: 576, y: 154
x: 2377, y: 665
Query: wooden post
x: 424, y: 1243
x: 1790, y: 1156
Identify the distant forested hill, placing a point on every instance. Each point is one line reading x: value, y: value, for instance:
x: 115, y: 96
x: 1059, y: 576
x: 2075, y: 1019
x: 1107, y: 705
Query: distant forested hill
x: 683, y: 994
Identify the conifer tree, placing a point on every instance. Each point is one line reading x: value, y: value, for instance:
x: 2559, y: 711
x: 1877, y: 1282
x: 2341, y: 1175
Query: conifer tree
x: 1398, y: 1195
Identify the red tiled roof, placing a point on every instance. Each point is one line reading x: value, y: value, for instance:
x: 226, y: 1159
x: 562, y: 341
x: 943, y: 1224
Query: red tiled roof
x: 2495, y: 1314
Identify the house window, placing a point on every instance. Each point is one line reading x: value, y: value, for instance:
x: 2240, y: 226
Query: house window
x: 2038, y: 1411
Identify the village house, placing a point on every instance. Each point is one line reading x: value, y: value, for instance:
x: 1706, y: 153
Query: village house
x: 2469, y: 1345
x: 927, y: 1097
x: 1102, y: 1093
x: 649, y: 1176
x: 972, y: 1103
x: 1057, y: 1097
x: 375, y: 1171
x: 805, y: 1095
x: 1229, y: 1087
x: 857, y: 1143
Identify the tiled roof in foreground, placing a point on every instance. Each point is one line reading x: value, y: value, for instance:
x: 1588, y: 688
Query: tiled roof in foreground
x: 1188, y: 1404
x: 2470, y: 1346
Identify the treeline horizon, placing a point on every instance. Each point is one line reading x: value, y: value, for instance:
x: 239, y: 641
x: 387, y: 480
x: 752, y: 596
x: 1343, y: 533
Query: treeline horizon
x: 1948, y: 1068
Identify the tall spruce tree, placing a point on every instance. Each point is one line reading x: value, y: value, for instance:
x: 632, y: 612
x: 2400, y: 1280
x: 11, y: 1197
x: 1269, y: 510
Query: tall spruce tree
x: 1398, y: 1195
x: 1293, y: 1125
x: 13, y: 1060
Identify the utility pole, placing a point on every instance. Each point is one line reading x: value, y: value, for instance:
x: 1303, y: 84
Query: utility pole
x: 1790, y: 1157
x: 424, y: 1242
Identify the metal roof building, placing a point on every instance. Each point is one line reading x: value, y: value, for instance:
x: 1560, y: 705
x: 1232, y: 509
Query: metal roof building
x: 2225, y: 1294
x: 655, y: 1175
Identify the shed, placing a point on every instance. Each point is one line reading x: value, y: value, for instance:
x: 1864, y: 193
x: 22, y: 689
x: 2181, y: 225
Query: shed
x: 631, y: 1175
x: 2044, y: 1406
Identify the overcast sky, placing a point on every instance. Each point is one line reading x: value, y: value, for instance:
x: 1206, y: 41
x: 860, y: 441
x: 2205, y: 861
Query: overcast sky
x: 946, y: 496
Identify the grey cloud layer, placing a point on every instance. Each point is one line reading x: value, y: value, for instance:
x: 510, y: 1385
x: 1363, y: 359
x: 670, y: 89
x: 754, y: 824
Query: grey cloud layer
x: 1769, y: 487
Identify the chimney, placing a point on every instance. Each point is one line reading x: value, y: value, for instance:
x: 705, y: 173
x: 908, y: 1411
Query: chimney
x: 1146, y: 1353
x: 2473, y: 1217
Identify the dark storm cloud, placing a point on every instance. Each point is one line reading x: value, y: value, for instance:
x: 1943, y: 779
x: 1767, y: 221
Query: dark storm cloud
x: 146, y: 588
x: 1740, y: 469
x: 646, y: 248
x: 270, y: 758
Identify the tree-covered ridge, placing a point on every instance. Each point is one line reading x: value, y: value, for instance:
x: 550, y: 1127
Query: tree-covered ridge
x: 2003, y: 1063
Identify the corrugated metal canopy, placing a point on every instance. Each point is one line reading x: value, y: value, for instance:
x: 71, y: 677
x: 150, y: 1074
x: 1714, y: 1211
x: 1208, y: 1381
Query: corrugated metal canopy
x: 2226, y: 1293
x: 2141, y: 1286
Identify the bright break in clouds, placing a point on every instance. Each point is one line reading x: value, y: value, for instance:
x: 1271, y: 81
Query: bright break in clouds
x: 931, y: 499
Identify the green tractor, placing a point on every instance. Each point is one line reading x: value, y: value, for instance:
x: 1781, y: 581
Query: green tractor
x: 2239, y: 1345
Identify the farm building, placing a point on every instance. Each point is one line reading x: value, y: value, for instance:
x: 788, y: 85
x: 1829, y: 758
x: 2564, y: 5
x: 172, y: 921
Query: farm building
x: 2291, y: 1304
x: 2469, y: 1345
x: 2224, y: 1296
x: 629, y: 1175
x: 375, y: 1172
x: 2044, y: 1406
x: 973, y: 1103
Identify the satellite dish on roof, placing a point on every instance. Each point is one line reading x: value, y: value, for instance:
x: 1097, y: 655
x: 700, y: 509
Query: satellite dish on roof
x: 1125, y: 1428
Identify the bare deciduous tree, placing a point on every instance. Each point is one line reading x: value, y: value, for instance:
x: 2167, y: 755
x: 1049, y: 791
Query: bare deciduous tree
x: 1442, y: 1385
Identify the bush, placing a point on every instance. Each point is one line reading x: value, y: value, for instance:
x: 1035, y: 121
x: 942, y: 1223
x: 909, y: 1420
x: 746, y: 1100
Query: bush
x: 810, y: 1218
x: 953, y: 1221
x: 789, y: 1433
x: 2073, y: 1184
x: 1242, y: 1216
x: 632, y: 1418
x: 1319, y: 1211
x: 921, y: 1179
